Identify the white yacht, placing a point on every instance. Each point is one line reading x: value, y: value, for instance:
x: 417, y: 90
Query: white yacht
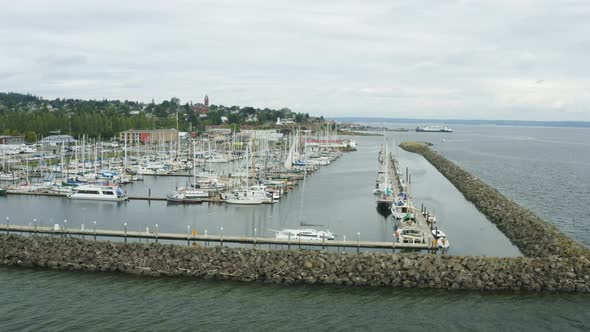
x: 309, y: 234
x: 242, y: 197
x: 187, y: 195
x: 98, y: 193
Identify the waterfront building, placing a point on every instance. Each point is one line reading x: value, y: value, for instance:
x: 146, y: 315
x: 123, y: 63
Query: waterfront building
x: 57, y: 139
x: 12, y: 140
x: 267, y: 134
x: 330, y: 143
x: 149, y: 136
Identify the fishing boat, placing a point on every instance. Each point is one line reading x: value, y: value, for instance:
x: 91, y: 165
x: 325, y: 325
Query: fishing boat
x: 2, y: 192
x: 98, y: 193
x: 309, y: 234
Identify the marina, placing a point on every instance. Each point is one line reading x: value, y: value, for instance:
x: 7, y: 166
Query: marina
x: 294, y: 166
x: 302, y: 203
x: 304, y: 200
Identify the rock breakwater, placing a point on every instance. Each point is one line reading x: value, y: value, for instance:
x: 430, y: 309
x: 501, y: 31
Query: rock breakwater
x: 299, y: 266
x: 532, y: 235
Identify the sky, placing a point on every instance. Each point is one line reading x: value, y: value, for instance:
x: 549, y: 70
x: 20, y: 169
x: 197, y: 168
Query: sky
x: 488, y: 59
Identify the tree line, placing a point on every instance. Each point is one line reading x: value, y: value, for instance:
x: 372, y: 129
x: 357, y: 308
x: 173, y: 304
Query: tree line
x: 34, y: 117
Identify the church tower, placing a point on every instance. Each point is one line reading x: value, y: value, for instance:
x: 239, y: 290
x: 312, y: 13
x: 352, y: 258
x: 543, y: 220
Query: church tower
x: 206, y: 100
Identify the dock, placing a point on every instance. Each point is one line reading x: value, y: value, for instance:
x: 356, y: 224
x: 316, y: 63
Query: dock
x: 191, y: 239
x: 212, y: 199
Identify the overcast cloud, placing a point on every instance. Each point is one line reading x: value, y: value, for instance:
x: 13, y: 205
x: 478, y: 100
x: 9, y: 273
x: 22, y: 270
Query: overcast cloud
x: 527, y: 60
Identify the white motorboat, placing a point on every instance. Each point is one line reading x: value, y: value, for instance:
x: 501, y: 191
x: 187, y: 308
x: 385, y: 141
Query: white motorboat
x: 437, y: 233
x: 98, y: 193
x: 242, y: 197
x: 187, y: 195
x: 309, y: 234
x: 410, y: 234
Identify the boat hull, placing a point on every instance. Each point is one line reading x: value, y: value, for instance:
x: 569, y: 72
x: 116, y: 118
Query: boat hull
x: 244, y: 201
x: 184, y: 200
x: 104, y: 199
x: 384, y: 207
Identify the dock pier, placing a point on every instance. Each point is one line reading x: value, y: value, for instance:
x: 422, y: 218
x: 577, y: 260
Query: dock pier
x: 190, y: 238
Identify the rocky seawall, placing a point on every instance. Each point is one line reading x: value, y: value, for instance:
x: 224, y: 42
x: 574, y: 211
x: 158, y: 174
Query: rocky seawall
x: 532, y: 235
x: 410, y: 270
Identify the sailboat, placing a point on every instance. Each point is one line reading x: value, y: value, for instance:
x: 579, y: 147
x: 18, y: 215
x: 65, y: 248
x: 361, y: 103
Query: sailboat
x: 189, y: 195
x: 245, y: 195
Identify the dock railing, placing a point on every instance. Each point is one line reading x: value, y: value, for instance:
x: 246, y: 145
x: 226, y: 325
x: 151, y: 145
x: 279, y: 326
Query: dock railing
x: 190, y: 238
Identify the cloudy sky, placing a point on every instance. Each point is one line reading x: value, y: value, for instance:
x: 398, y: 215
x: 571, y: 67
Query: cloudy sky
x: 496, y: 59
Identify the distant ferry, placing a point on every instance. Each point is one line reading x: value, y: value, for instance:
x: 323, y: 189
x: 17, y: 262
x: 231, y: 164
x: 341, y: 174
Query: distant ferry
x: 434, y: 129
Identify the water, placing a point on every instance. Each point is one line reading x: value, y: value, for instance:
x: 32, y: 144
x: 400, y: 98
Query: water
x: 50, y: 300
x: 544, y: 169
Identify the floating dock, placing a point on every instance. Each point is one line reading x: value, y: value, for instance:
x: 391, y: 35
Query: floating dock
x: 190, y: 238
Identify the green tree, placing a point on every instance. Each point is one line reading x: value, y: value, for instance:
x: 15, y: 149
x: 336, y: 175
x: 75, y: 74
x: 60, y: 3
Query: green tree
x: 31, y: 136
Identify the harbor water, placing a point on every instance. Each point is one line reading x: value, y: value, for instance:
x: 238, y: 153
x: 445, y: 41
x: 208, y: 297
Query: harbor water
x: 544, y: 169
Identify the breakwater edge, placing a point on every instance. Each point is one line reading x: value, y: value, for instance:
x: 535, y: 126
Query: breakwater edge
x: 532, y: 235
x: 409, y: 270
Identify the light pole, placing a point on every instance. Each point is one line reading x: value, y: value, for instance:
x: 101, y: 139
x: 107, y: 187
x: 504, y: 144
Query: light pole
x: 188, y: 235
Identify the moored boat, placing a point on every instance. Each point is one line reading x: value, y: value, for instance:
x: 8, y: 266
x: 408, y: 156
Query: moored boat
x: 188, y: 196
x: 309, y: 234
x: 410, y: 234
x: 98, y: 193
